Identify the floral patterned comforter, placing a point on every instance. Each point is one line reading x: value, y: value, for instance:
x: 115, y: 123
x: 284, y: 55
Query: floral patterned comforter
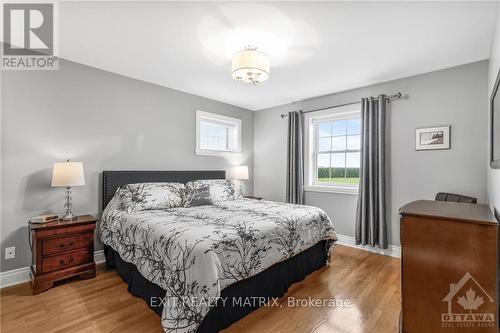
x: 193, y: 253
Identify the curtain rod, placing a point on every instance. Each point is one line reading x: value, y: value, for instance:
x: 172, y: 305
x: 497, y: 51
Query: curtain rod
x: 389, y: 98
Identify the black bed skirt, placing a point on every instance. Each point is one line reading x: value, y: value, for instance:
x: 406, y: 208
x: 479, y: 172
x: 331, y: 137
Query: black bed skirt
x: 270, y: 283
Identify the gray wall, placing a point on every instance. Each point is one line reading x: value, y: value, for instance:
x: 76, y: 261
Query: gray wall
x: 494, y: 174
x: 105, y: 120
x: 455, y: 96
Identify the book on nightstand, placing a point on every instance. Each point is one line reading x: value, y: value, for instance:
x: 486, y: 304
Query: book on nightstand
x: 45, y: 218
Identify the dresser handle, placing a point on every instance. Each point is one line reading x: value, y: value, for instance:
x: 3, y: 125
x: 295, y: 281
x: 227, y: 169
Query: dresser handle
x: 63, y: 245
x: 71, y: 259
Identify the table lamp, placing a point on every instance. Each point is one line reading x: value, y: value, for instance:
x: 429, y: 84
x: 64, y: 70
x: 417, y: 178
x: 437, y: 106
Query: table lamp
x: 238, y: 172
x: 68, y: 174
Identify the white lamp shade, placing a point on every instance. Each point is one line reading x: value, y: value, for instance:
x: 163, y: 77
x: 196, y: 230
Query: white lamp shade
x: 250, y: 66
x: 68, y: 174
x: 238, y: 172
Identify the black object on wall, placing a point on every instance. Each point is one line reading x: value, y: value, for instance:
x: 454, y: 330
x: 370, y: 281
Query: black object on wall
x: 495, y: 126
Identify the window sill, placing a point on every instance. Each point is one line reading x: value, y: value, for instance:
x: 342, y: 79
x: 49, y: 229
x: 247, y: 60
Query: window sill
x: 205, y: 152
x: 332, y: 189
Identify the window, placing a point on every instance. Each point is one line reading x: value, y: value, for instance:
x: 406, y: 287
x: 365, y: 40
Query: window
x: 217, y: 135
x: 333, y: 150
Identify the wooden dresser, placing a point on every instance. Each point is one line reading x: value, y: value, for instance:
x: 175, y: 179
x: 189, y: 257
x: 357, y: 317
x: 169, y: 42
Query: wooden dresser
x: 450, y: 262
x: 61, y: 250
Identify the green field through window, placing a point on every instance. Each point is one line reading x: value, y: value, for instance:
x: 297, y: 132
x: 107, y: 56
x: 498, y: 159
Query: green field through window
x: 340, y: 181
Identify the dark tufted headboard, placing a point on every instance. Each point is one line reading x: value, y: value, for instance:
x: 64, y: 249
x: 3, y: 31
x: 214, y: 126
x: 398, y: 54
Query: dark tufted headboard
x: 111, y: 180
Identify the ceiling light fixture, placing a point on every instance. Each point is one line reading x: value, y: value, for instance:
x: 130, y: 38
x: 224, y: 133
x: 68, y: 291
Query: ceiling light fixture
x: 250, y: 65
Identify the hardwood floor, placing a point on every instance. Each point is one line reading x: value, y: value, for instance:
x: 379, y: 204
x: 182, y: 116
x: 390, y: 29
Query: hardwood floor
x: 371, y: 282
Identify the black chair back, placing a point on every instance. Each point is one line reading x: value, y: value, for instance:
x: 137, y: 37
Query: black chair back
x: 443, y: 196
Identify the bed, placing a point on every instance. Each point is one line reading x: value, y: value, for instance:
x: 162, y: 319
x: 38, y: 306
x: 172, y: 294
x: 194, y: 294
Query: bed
x: 203, y: 268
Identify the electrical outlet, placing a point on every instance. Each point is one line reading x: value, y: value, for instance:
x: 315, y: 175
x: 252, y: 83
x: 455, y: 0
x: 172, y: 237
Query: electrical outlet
x: 10, y: 252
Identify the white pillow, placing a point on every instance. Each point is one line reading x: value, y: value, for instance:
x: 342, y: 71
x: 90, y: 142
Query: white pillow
x: 206, y: 192
x: 147, y: 196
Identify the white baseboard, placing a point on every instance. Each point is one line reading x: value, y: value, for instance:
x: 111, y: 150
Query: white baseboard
x: 392, y: 251
x: 99, y: 257
x: 21, y: 275
x: 14, y: 277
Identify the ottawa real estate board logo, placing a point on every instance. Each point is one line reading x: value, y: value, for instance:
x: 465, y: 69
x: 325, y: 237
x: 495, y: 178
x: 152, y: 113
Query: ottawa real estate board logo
x: 29, y: 36
x: 469, y: 305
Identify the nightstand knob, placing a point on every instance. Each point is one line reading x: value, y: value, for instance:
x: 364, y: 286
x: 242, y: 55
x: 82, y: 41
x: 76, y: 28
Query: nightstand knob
x: 63, y: 245
x: 62, y: 262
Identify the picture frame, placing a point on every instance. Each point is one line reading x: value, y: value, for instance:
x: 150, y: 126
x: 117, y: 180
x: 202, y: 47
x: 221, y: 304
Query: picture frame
x: 495, y: 125
x: 432, y: 138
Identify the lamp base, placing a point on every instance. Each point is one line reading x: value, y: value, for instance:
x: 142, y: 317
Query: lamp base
x: 68, y: 217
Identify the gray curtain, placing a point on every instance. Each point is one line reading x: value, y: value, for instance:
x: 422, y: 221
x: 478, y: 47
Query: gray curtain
x: 371, y: 223
x: 295, y: 159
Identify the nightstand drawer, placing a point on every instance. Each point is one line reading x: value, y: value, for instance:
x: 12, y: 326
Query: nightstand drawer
x: 62, y: 261
x: 63, y: 244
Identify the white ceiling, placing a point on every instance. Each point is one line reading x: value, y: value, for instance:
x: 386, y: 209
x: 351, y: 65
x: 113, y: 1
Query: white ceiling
x: 315, y: 48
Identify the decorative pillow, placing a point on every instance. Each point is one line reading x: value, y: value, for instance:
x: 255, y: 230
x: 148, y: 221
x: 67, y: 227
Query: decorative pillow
x: 114, y: 203
x: 145, y: 196
x: 206, y: 192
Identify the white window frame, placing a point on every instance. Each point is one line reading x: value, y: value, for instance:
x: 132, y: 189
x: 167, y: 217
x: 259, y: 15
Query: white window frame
x: 235, y: 133
x: 310, y: 121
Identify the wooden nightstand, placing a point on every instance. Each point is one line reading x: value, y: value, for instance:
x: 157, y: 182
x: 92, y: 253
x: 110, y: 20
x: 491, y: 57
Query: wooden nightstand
x: 252, y: 197
x: 61, y: 250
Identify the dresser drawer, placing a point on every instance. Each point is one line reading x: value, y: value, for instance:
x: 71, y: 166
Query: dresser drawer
x: 65, y: 260
x: 63, y: 244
